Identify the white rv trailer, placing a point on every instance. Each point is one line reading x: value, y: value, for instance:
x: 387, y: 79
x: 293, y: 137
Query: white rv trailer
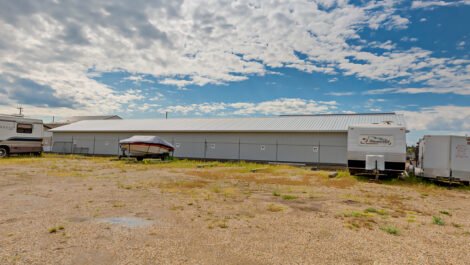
x: 377, y: 148
x: 20, y: 135
x: 444, y: 156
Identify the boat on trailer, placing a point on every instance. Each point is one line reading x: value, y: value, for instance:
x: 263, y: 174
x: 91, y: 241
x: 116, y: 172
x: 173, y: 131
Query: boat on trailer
x: 145, y: 146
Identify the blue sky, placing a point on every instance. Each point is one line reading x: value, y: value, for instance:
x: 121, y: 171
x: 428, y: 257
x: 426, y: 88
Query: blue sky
x: 239, y: 58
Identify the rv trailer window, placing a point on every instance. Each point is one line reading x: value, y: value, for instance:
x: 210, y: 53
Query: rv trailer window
x: 24, y: 128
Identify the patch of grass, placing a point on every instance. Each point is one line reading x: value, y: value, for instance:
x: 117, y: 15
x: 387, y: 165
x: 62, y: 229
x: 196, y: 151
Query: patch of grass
x: 445, y: 213
x: 358, y: 223
x: 275, y: 208
x: 229, y: 192
x: 356, y: 214
x: 288, y: 197
x: 222, y: 225
x: 176, y: 207
x: 274, y: 177
x: 376, y: 211
x: 184, y: 184
x: 359, y: 219
x: 342, y: 181
x: 437, y: 220
x: 216, y: 189
x: 411, y: 219
x: 392, y: 230
x: 276, y: 193
x: 456, y: 225
x: 125, y: 186
x: 55, y: 229
x: 118, y: 204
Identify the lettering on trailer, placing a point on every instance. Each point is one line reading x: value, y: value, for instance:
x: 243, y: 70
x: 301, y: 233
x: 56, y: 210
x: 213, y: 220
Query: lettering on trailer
x: 376, y: 140
x: 463, y: 151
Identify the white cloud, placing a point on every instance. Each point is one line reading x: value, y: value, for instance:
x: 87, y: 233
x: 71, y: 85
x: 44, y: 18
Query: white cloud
x: 419, y: 90
x: 273, y: 107
x: 340, y: 94
x: 388, y: 45
x: 461, y: 45
x: 439, y: 118
x: 61, y: 45
x: 409, y: 39
x: 431, y: 4
x: 137, y: 79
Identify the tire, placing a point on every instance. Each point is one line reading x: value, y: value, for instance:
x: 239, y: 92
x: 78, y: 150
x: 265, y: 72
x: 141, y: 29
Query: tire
x: 140, y: 158
x: 3, y: 152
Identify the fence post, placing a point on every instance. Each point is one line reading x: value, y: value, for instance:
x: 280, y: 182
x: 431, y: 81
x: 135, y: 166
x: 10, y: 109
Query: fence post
x: 52, y: 144
x: 318, y: 155
x: 72, y: 147
x: 277, y: 148
x: 205, y: 148
x: 118, y: 146
x: 239, y: 150
x: 94, y: 145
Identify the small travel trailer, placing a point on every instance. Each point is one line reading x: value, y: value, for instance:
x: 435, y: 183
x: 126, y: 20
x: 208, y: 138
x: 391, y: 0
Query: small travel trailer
x: 378, y: 149
x: 444, y: 156
x: 20, y: 135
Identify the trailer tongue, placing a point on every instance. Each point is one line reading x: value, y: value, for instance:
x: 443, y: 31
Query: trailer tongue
x: 144, y: 146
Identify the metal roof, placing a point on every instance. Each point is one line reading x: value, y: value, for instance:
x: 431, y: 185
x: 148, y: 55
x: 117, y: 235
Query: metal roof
x: 73, y: 119
x: 316, y: 123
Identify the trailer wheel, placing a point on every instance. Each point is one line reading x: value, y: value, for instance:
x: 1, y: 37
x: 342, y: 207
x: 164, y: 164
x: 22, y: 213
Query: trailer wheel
x: 140, y: 158
x: 3, y: 152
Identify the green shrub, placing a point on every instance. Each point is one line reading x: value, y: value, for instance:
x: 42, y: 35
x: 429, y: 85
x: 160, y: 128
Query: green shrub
x: 288, y: 197
x: 391, y: 230
x: 437, y: 220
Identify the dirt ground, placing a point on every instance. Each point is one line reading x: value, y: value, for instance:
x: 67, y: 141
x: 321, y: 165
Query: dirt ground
x: 78, y: 210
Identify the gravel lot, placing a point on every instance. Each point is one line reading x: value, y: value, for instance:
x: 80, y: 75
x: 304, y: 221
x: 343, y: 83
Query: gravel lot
x: 78, y: 210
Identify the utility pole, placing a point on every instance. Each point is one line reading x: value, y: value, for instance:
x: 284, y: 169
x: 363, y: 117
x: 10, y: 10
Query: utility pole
x: 21, y: 110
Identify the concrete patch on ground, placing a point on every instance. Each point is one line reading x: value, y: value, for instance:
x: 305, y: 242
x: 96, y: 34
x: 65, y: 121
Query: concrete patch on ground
x: 130, y: 222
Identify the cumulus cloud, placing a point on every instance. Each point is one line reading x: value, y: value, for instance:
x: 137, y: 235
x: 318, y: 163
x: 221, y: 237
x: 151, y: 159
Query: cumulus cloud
x: 273, y: 107
x: 419, y: 90
x: 431, y: 4
x: 60, y: 45
x: 439, y: 118
x: 340, y: 94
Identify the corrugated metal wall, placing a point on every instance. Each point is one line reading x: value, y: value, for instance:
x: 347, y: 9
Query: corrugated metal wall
x: 325, y: 148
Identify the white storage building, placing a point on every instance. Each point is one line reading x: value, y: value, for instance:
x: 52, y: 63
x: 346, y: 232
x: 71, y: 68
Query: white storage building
x: 312, y: 139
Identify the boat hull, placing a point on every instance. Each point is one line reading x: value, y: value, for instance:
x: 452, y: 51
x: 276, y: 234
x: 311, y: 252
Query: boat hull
x: 144, y: 149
